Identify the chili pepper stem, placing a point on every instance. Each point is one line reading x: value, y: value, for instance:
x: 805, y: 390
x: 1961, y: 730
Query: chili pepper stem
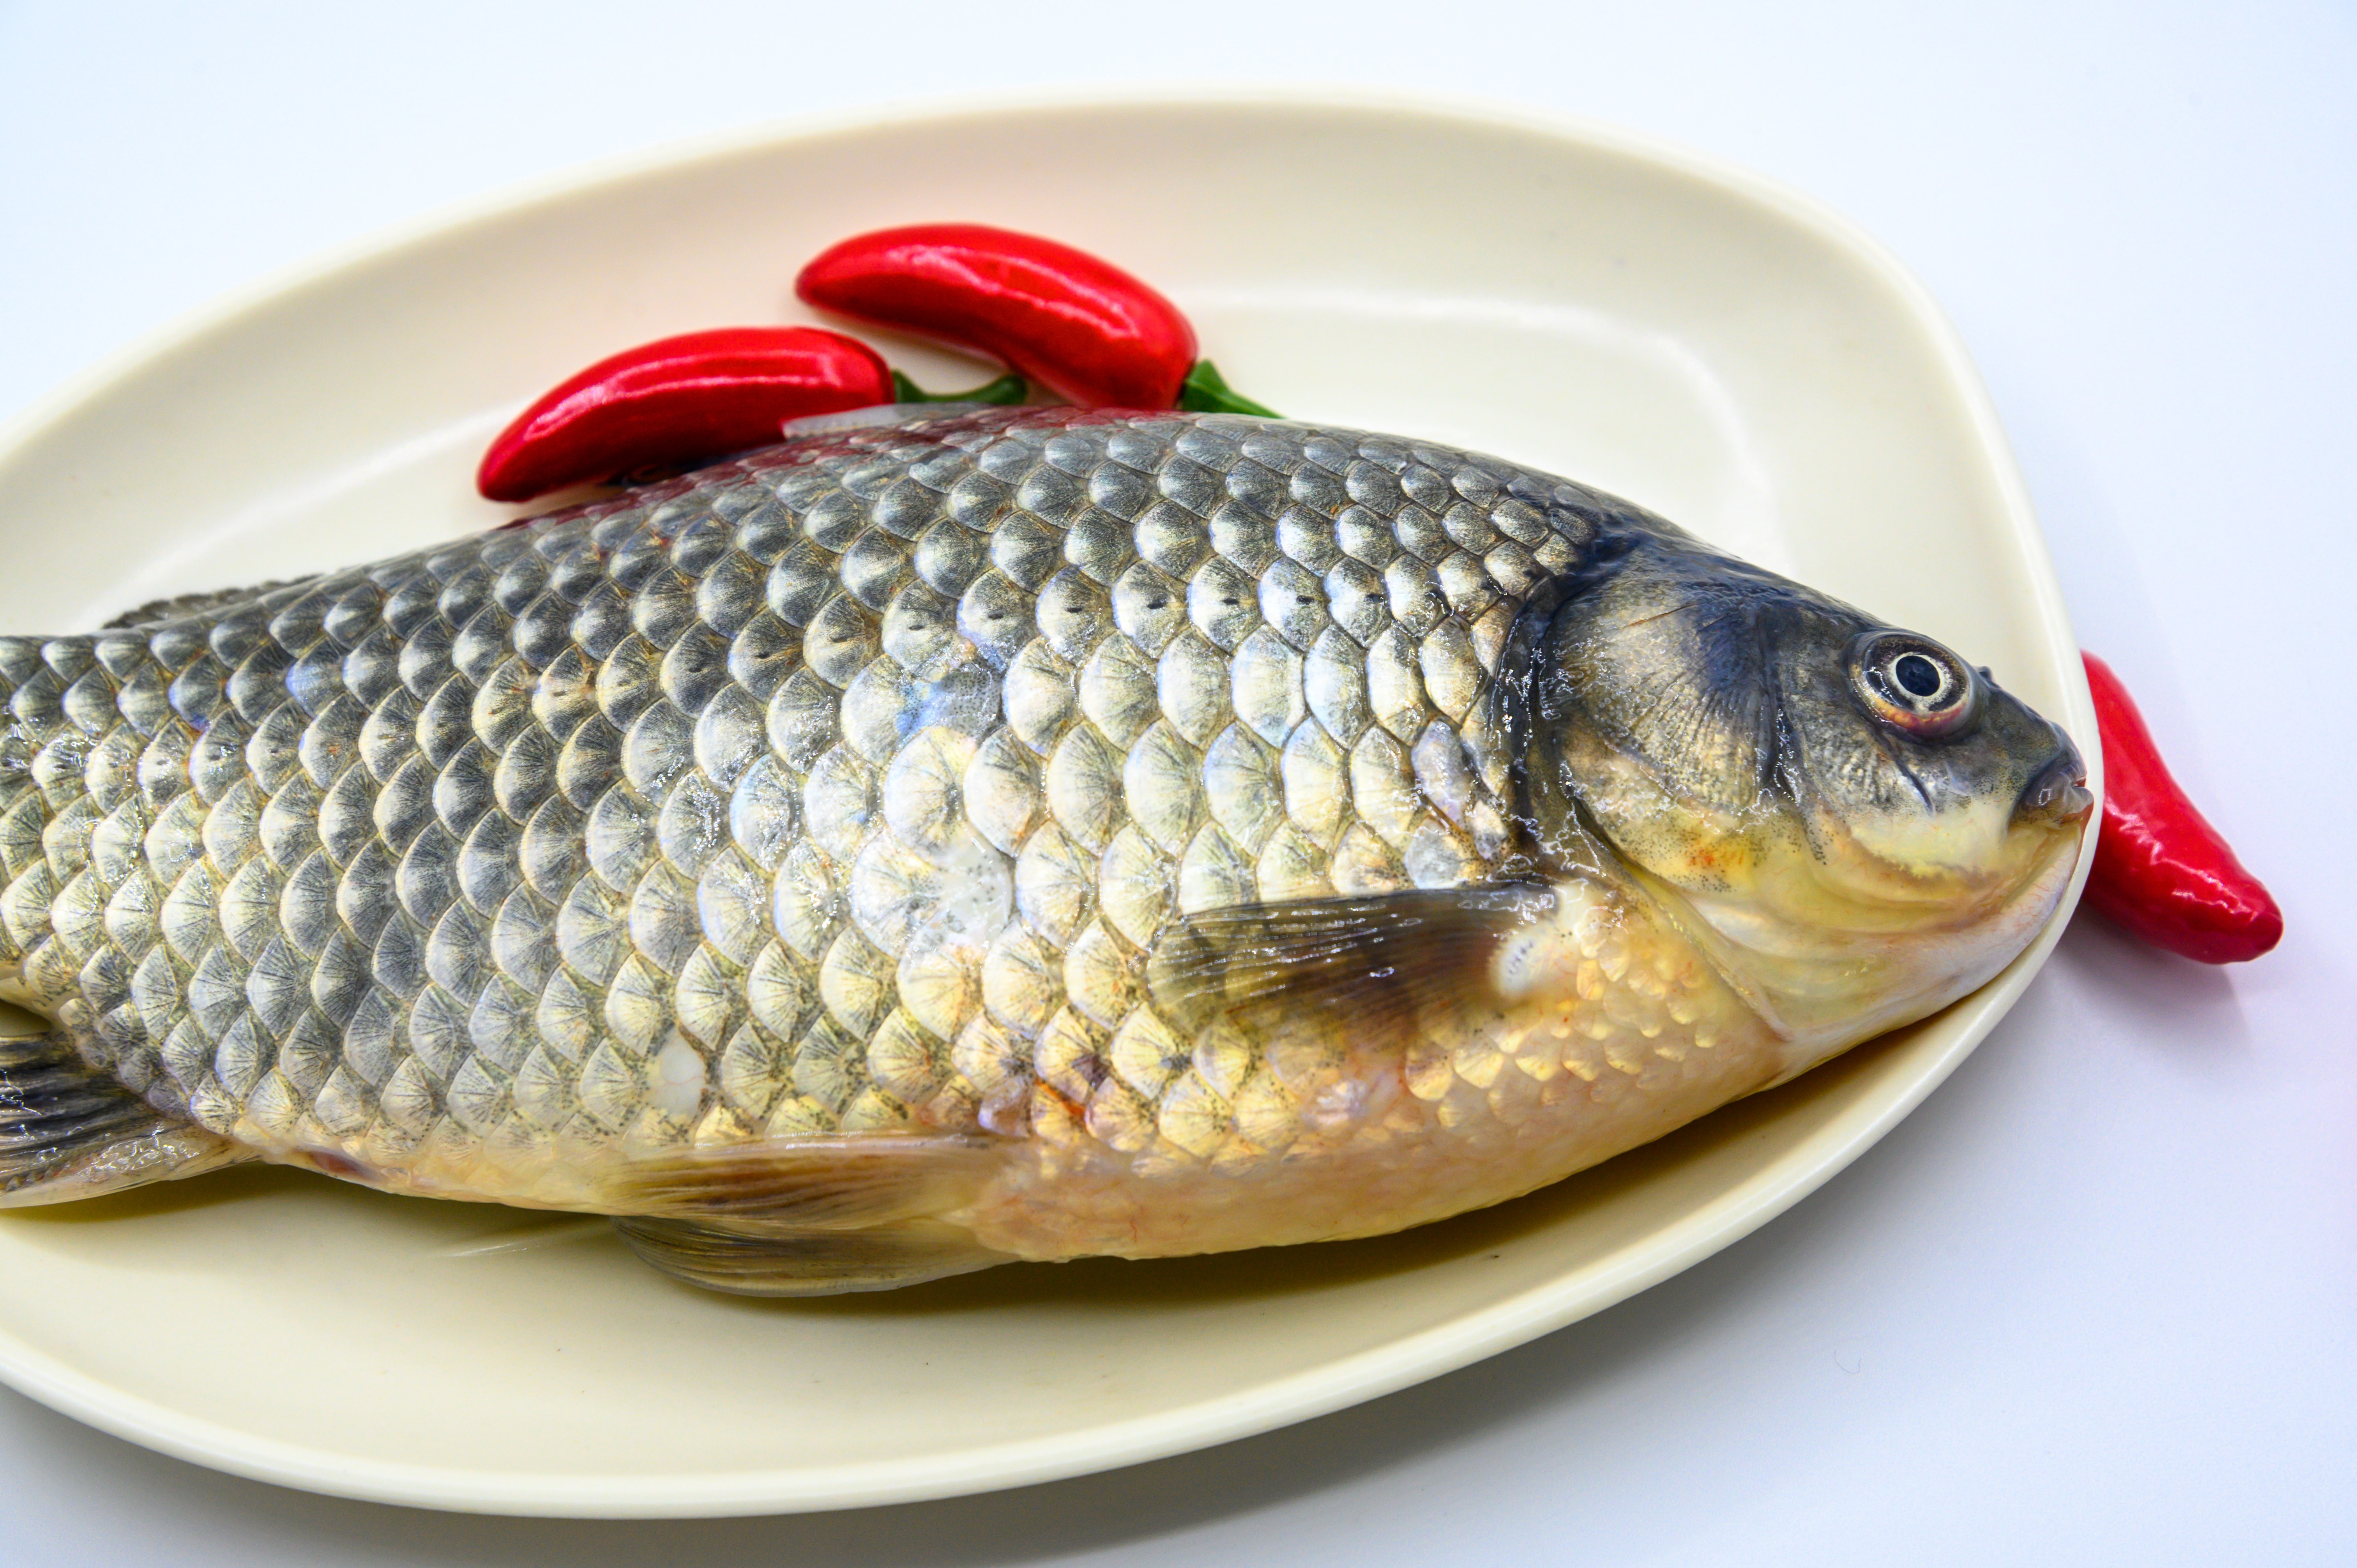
x: 1006, y: 390
x: 1205, y: 391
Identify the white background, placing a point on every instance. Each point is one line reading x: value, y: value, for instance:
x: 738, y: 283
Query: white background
x: 2095, y: 1301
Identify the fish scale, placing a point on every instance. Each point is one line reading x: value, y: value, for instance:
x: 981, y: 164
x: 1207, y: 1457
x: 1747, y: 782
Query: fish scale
x: 843, y: 788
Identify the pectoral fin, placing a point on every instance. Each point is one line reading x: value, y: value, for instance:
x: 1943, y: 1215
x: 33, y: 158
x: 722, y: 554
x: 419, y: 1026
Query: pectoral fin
x: 1364, y: 965
x: 69, y: 1132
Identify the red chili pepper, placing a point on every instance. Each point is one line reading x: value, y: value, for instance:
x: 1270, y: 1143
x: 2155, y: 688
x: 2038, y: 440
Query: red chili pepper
x: 2161, y: 870
x: 1072, y: 322
x: 678, y: 400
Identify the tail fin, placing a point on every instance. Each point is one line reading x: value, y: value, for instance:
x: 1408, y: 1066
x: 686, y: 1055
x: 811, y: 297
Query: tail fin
x: 67, y: 1131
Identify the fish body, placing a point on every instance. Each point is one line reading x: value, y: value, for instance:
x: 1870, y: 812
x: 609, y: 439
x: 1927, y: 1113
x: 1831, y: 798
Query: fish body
x: 1024, y: 834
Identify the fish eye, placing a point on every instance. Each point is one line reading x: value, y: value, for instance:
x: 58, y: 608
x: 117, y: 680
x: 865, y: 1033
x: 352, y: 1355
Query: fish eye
x: 1918, y: 674
x: 1913, y: 684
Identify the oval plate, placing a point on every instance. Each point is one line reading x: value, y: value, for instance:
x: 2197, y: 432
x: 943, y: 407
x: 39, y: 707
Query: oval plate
x: 1574, y: 297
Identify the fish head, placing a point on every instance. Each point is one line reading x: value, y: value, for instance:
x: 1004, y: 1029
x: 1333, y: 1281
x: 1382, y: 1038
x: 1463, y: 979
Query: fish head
x: 1857, y: 825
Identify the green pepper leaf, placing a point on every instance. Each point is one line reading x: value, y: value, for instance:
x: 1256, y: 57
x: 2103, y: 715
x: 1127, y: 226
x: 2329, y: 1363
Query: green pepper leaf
x: 1205, y: 391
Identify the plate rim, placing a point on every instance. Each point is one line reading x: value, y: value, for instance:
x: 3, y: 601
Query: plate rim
x: 1365, y: 1375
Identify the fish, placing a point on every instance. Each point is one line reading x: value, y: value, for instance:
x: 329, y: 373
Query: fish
x: 953, y: 837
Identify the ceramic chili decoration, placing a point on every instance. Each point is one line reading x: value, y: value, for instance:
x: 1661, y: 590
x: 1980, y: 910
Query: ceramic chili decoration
x: 2161, y: 870
x: 680, y: 401
x: 1074, y: 323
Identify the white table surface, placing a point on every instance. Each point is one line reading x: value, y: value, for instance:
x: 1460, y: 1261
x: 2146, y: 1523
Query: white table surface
x: 2095, y: 1301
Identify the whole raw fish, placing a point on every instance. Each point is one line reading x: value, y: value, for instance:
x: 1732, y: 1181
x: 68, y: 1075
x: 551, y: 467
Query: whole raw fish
x: 1022, y: 834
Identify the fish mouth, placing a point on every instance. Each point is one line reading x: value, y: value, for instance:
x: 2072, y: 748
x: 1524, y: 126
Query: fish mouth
x: 2057, y: 794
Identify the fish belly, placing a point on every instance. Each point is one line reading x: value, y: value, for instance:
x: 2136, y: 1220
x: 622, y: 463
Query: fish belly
x: 1609, y: 1031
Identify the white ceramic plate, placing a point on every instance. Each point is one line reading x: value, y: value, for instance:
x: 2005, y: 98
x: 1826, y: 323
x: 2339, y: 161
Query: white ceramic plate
x: 1669, y: 329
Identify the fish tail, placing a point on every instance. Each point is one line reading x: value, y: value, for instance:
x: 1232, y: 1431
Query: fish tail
x: 69, y: 1131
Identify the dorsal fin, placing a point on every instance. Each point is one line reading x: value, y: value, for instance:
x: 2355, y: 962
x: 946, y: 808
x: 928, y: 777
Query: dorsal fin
x: 67, y: 1131
x: 876, y: 415
x: 181, y: 605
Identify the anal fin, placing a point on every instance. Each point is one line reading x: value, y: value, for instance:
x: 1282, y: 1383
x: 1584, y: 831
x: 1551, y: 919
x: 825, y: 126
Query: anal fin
x: 68, y: 1132
x: 756, y: 1259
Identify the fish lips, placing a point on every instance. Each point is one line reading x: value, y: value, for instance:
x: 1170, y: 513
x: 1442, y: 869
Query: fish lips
x: 2056, y: 794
